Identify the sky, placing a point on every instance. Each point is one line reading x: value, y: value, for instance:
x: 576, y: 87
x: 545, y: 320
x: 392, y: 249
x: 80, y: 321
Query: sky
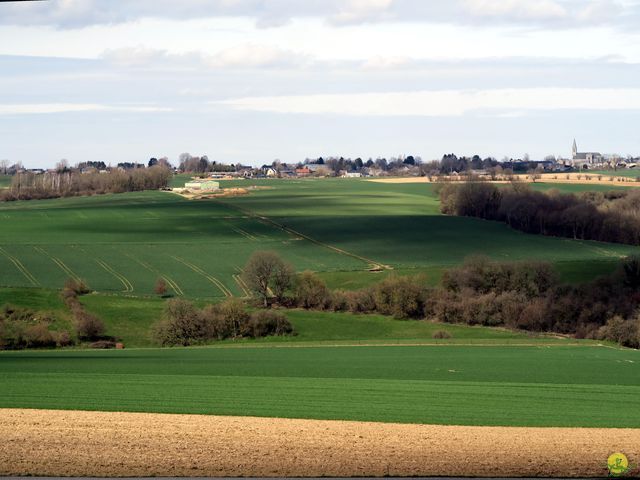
x: 252, y: 81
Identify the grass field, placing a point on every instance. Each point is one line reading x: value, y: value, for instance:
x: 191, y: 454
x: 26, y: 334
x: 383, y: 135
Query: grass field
x: 632, y: 173
x: 460, y: 385
x: 131, y: 319
x: 121, y: 244
x: 5, y: 181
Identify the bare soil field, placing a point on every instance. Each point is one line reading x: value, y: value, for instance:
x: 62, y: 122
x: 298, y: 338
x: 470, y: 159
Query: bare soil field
x: 571, y: 178
x: 73, y: 443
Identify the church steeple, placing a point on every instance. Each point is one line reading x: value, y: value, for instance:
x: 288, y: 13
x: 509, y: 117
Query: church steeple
x: 574, y: 150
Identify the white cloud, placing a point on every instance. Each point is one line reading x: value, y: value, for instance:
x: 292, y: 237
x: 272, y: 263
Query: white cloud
x: 358, y: 11
x: 275, y: 13
x: 517, y: 9
x: 444, y: 102
x: 383, y: 63
x: 256, y: 56
x: 43, y: 108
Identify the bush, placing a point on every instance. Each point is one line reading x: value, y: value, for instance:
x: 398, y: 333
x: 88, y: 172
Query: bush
x: 182, y: 324
x: 38, y: 336
x: 402, y: 297
x: 361, y: 301
x: 624, y: 332
x: 444, y: 306
x: 481, y: 275
x: 339, y: 301
x: 265, y: 323
x: 441, y: 334
x: 76, y: 286
x: 234, y: 316
x: 63, y: 338
x: 88, y: 326
x: 311, y: 291
x: 103, y: 344
x: 535, y: 316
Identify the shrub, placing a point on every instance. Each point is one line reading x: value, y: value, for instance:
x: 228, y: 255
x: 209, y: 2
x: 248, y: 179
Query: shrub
x: 441, y: 334
x: 63, y: 338
x: 339, y: 301
x: 361, y: 301
x: 88, y: 326
x: 444, y: 306
x: 402, y: 297
x: 76, y: 286
x: 480, y: 310
x: 38, y: 336
x: 624, y: 332
x: 481, y: 275
x: 535, y: 316
x: 264, y: 323
x: 103, y: 344
x: 160, y: 288
x: 182, y: 324
x: 311, y: 291
x: 234, y: 315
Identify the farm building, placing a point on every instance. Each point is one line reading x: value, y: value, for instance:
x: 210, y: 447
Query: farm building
x: 206, y: 186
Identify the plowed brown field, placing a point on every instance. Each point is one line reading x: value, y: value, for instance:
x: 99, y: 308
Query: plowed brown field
x: 70, y: 443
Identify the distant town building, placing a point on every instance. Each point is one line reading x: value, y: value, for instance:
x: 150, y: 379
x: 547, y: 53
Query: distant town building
x: 206, y: 186
x: 585, y: 159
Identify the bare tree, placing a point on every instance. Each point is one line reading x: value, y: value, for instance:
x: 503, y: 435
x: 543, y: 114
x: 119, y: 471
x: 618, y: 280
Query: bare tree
x: 267, y: 273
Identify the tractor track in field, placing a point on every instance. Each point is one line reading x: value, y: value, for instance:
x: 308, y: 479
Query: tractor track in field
x: 128, y: 287
x: 373, y: 265
x: 112, y: 444
x: 221, y: 286
x: 242, y: 232
x: 172, y: 283
x: 58, y: 262
x: 21, y: 268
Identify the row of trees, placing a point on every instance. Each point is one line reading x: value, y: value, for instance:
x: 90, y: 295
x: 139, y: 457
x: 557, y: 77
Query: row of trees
x: 27, y: 186
x: 191, y: 164
x: 184, y: 324
x: 526, y: 296
x: 606, y: 217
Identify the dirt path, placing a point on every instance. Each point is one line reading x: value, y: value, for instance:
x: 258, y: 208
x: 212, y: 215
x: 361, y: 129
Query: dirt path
x: 68, y: 443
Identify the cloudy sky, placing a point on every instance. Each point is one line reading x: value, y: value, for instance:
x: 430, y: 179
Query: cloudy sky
x: 254, y: 80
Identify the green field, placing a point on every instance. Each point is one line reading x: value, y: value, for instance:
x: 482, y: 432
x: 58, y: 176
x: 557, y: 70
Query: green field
x: 131, y: 319
x: 468, y: 385
x: 338, y: 366
x: 5, y: 181
x: 121, y: 244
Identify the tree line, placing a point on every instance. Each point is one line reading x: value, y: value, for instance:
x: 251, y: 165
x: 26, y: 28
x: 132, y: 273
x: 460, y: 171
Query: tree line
x: 607, y: 217
x: 30, y: 186
x: 524, y: 296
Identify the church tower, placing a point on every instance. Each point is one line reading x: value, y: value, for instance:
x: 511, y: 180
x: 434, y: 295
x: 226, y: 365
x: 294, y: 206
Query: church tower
x: 574, y: 150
